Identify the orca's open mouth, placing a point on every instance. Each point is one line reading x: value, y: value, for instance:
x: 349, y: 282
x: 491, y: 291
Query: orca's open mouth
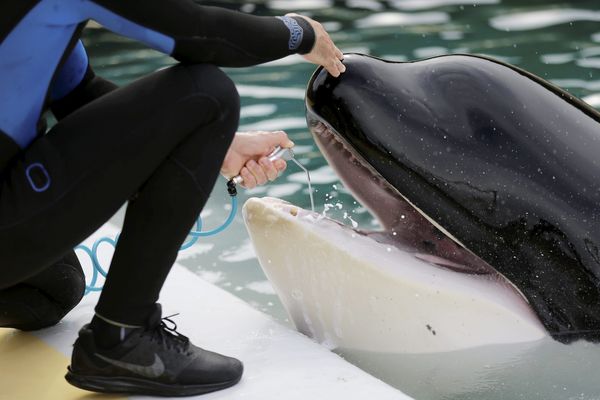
x: 371, y: 291
x: 405, y: 226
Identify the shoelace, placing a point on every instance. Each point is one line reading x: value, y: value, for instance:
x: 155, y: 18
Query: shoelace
x: 167, y: 334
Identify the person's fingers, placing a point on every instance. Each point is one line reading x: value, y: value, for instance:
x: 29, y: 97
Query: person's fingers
x: 335, y: 68
x: 268, y: 168
x: 332, y: 68
x: 249, y: 179
x: 325, y: 52
x: 334, y: 65
x: 278, y: 138
x: 280, y: 165
x: 257, y: 171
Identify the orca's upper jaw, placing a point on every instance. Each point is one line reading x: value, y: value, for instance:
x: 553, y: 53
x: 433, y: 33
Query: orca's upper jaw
x: 335, y: 130
x: 404, y: 226
x: 345, y: 144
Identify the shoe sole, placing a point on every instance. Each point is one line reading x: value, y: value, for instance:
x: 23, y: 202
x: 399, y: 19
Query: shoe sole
x: 127, y: 385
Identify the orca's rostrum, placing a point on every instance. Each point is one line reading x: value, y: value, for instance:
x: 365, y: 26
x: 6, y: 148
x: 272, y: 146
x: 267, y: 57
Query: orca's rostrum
x: 501, y: 167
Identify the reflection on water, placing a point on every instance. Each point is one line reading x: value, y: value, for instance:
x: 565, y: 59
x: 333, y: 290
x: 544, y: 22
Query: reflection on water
x: 559, y: 41
x: 543, y: 370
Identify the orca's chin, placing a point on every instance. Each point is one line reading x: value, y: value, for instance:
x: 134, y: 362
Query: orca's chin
x: 348, y: 290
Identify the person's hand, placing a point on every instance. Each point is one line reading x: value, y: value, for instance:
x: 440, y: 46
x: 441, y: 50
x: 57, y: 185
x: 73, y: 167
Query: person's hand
x: 247, y: 157
x: 324, y: 52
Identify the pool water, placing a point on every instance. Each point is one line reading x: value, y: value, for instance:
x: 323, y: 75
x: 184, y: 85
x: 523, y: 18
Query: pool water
x: 559, y: 41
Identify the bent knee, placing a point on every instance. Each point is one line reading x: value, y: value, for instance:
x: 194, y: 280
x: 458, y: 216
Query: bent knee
x: 44, y: 299
x: 211, y: 81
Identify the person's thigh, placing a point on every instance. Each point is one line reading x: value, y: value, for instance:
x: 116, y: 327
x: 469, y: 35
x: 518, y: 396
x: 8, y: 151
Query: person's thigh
x: 69, y: 182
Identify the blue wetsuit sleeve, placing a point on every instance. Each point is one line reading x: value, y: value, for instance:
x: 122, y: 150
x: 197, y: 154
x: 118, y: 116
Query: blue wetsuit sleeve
x: 71, y: 73
x: 203, y: 34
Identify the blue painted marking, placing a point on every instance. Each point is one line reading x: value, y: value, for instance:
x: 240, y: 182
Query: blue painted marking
x: 35, y: 187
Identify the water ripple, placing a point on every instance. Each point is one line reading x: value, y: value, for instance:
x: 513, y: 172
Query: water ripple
x: 284, y: 189
x: 593, y: 100
x: 365, y: 4
x: 262, y: 287
x: 525, y: 21
x: 589, y: 62
x: 561, y: 58
x: 276, y: 124
x: 427, y: 52
x: 258, y: 110
x: 386, y: 19
x: 270, y: 92
x: 427, y: 4
x: 299, y: 4
x: 239, y: 253
x: 319, y: 176
x: 577, y: 84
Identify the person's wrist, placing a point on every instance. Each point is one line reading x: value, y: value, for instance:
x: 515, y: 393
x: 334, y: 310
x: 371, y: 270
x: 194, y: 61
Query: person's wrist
x: 309, y: 35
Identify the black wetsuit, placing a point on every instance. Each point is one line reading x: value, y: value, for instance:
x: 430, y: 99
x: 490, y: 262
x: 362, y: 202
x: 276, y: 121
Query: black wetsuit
x: 157, y: 143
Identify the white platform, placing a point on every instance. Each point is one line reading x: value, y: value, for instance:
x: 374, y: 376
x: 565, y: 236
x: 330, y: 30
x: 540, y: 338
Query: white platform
x: 279, y: 363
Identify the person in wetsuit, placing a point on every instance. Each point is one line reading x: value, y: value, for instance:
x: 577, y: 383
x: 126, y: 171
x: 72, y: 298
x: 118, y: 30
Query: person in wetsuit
x: 158, y: 143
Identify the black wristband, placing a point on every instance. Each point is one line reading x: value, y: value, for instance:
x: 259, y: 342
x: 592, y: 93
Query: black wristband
x: 308, y: 39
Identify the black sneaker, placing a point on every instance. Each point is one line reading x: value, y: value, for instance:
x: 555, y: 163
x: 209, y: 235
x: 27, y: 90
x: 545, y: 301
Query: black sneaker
x: 154, y: 360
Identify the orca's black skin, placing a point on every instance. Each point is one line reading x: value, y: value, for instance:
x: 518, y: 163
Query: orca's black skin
x: 503, y: 160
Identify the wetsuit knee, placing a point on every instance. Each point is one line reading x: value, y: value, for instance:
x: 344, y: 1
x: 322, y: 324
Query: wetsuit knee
x: 211, y: 81
x: 44, y: 299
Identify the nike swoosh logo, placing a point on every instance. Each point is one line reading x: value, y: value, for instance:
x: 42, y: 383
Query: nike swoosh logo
x: 148, y: 371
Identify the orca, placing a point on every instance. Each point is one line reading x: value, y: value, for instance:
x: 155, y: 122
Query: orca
x: 503, y: 161
x: 485, y: 180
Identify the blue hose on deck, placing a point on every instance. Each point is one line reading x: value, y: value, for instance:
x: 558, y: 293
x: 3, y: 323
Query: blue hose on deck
x: 194, y: 234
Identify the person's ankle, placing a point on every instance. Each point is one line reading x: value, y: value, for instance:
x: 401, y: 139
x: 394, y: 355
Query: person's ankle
x: 109, y: 333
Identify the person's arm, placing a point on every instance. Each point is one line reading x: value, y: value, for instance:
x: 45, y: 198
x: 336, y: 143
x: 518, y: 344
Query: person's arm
x: 76, y: 84
x: 202, y: 34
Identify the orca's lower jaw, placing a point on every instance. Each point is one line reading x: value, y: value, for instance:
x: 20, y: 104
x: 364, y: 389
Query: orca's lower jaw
x: 349, y: 291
